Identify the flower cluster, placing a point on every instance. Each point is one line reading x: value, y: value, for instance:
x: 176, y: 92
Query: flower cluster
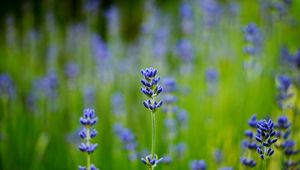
x: 186, y: 13
x: 150, y: 161
x: 285, y: 94
x: 151, y: 88
x: 185, y: 50
x: 266, y: 137
x: 88, y: 120
x: 198, y: 165
x: 175, y: 118
x: 127, y: 138
x: 212, y: 78
x: 282, y: 7
x: 292, y: 60
x: 6, y: 86
x: 248, y: 162
x: 249, y: 143
x: 253, y: 37
x: 285, y: 143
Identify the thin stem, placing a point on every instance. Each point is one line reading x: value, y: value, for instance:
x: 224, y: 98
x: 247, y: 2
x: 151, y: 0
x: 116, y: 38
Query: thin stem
x: 88, y: 157
x: 153, y: 134
x: 88, y: 160
x: 265, y: 159
x: 264, y: 165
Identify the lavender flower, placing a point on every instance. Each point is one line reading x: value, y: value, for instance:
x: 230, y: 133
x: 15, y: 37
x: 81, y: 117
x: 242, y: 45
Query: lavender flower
x: 212, y: 78
x: 151, y: 89
x: 117, y: 101
x: 266, y: 137
x: 248, y: 162
x: 151, y: 161
x: 283, y: 84
x: 89, y: 96
x: 186, y: 13
x: 7, y: 89
x: 91, y: 6
x: 198, y: 165
x: 249, y: 143
x: 44, y: 88
x: 180, y: 149
x: 182, y: 118
x: 285, y: 144
x: 211, y: 75
x: 169, y: 86
x: 128, y: 140
x: 218, y: 155
x: 185, y: 50
x: 211, y: 11
x: 160, y: 42
x: 71, y: 70
x: 292, y: 60
x: 253, y: 37
x: 88, y: 120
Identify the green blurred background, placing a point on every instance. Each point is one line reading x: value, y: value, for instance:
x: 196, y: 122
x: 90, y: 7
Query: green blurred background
x: 62, y: 57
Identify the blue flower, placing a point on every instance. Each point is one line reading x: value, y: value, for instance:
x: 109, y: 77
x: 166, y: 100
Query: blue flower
x: 151, y: 162
x: 88, y: 120
x: 128, y: 140
x: 253, y: 37
x: 250, y: 143
x: 285, y: 144
x: 266, y: 137
x: 71, y: 70
x: 6, y: 86
x: 151, y: 88
x: 253, y: 121
x: 248, y: 162
x: 198, y: 165
x: 185, y: 50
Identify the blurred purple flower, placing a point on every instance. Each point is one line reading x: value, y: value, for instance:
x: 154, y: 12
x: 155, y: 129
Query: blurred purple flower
x: 117, y: 102
x: 253, y: 36
x: 198, y: 165
x: 7, y: 88
x: 71, y: 70
x: 128, y: 140
x: 185, y: 50
x: 186, y: 12
x: 211, y: 12
x: 89, y: 96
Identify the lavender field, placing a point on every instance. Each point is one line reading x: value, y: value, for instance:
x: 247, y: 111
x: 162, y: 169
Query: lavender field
x: 144, y: 85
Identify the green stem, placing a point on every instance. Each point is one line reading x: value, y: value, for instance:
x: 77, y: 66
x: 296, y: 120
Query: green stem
x: 153, y: 134
x: 88, y: 160
x: 88, y: 157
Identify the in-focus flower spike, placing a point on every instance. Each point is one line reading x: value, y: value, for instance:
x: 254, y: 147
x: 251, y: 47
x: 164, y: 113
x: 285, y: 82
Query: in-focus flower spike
x: 266, y: 137
x: 151, y: 89
x: 198, y: 165
x: 88, y: 120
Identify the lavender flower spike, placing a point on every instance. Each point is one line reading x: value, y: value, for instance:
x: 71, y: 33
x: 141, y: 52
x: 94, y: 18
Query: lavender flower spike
x: 88, y: 120
x: 151, y: 89
x: 266, y: 137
